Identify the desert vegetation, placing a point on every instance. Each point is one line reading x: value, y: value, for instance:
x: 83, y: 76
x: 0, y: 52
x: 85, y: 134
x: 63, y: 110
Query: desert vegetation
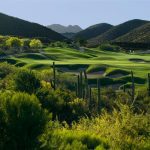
x: 50, y: 109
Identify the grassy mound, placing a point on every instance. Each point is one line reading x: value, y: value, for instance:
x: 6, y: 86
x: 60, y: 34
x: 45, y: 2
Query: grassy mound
x: 9, y: 60
x: 116, y: 72
x: 76, y: 67
x: 96, y: 68
x: 138, y: 60
x: 137, y: 80
x: 104, y: 81
x: 20, y: 64
x: 38, y: 66
x: 35, y: 56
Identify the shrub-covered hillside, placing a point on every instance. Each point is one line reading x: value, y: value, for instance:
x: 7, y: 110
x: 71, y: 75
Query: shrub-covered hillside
x: 117, y: 31
x: 17, y: 27
x: 93, y: 31
x: 141, y: 34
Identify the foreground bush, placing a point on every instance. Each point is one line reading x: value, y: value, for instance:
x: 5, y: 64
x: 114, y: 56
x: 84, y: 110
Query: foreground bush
x: 122, y: 128
x: 63, y: 137
x: 119, y: 130
x: 22, y: 121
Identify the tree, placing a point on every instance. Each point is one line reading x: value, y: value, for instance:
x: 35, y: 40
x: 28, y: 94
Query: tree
x: 22, y: 121
x: 26, y: 81
x: 14, y: 42
x: 81, y: 42
x: 26, y: 44
x: 35, y: 43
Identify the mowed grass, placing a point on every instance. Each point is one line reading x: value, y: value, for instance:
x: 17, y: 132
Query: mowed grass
x: 92, y: 60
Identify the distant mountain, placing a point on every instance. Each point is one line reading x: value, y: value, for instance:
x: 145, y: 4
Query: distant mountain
x: 18, y: 27
x: 117, y: 31
x: 93, y: 31
x: 65, y: 29
x: 140, y: 35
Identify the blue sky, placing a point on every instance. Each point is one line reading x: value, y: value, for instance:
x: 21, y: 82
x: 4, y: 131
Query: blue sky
x: 81, y: 12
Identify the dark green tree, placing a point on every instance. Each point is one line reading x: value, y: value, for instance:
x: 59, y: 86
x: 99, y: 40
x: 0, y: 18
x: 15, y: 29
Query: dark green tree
x: 22, y: 121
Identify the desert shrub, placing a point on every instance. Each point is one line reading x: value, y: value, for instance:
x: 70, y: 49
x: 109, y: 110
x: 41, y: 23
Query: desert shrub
x: 109, y: 47
x: 142, y: 101
x: 35, y: 44
x: 59, y: 44
x: 63, y: 80
x: 50, y: 101
x: 26, y: 44
x: 2, y: 53
x: 76, y: 145
x: 14, y: 42
x: 6, y: 76
x: 22, y: 121
x: 63, y: 137
x: 46, y: 75
x: 26, y: 81
x: 6, y: 69
x: 66, y: 81
x: 62, y: 104
x: 122, y: 128
x: 78, y: 107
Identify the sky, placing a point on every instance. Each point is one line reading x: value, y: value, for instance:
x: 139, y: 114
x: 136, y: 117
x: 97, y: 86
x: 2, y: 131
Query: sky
x: 77, y: 12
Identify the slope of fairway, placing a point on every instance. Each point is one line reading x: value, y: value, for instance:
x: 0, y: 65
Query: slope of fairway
x: 111, y: 67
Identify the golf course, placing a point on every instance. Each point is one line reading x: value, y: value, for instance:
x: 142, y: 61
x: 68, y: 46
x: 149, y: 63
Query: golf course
x: 114, y: 67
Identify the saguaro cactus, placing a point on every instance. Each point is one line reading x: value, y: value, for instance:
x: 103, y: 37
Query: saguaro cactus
x: 133, y: 87
x: 81, y: 85
x: 98, y: 93
x: 132, y: 93
x: 86, y: 85
x: 78, y: 86
x: 90, y: 97
x: 148, y: 84
x: 124, y: 88
x: 54, y: 76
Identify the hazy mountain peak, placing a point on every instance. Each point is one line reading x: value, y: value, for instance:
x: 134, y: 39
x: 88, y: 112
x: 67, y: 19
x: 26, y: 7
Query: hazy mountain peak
x: 65, y: 29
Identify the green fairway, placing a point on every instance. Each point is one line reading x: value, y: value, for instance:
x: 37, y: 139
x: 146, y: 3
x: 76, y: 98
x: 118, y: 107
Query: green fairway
x: 113, y: 65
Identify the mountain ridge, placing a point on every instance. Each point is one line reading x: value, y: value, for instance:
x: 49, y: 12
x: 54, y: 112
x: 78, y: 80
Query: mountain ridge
x: 117, y: 31
x: 93, y: 31
x: 140, y: 34
x: 14, y: 26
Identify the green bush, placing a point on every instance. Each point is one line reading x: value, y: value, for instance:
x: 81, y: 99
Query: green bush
x: 35, y: 44
x: 63, y: 137
x: 6, y: 69
x: 26, y: 81
x: 50, y: 101
x: 62, y: 104
x: 59, y: 44
x: 22, y: 121
x: 14, y: 42
x: 109, y: 47
x: 122, y: 128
